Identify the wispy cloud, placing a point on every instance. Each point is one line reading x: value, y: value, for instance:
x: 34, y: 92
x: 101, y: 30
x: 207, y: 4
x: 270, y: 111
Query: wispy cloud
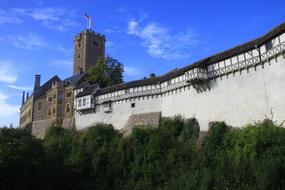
x: 62, y: 62
x: 58, y: 19
x: 52, y: 18
x: 22, y: 88
x: 161, y: 43
x: 8, y: 73
x: 29, y: 41
x: 8, y: 17
x: 7, y: 109
x: 32, y: 41
x: 132, y: 71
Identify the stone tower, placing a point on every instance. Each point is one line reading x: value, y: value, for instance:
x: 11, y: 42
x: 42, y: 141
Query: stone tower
x: 89, y: 47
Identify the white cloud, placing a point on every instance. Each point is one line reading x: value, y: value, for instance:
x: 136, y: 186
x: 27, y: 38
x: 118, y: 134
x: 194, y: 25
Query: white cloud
x: 8, y: 73
x: 7, y: 109
x: 22, y: 88
x: 132, y: 71
x: 7, y: 17
x: 32, y: 41
x: 161, y: 43
x: 52, y: 18
x: 29, y: 41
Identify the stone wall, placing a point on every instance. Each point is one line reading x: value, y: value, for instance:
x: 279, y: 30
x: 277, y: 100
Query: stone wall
x: 40, y: 127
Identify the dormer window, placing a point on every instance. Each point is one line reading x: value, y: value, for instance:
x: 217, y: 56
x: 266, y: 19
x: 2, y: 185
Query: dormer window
x: 268, y: 45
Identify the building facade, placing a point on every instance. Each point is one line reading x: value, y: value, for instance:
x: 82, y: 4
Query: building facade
x: 52, y: 104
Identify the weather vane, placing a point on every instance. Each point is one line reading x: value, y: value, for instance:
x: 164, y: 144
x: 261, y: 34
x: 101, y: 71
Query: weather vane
x: 89, y: 22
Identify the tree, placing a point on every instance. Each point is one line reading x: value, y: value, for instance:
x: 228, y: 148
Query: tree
x: 97, y: 74
x: 106, y: 73
x: 22, y: 160
x: 115, y: 70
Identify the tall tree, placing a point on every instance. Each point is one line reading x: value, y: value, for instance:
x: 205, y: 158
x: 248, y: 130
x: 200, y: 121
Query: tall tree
x: 115, y: 70
x: 106, y: 73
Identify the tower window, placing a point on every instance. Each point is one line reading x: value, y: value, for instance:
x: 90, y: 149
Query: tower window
x: 133, y: 105
x: 78, y: 56
x: 94, y: 43
x: 79, y: 44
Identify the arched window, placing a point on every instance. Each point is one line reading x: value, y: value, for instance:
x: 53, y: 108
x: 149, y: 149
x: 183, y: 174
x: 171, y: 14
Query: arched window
x: 49, y: 111
x: 40, y: 106
x: 67, y: 109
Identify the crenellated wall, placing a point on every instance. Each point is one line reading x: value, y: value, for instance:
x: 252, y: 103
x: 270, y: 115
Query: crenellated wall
x: 239, y: 90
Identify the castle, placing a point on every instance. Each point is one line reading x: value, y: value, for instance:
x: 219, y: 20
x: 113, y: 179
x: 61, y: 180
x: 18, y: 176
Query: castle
x: 239, y: 86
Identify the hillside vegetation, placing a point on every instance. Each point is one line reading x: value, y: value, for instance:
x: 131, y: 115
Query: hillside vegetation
x: 171, y: 156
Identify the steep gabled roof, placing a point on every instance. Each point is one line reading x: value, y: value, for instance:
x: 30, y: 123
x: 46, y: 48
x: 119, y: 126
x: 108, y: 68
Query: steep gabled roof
x: 202, y: 63
x: 46, y: 86
x: 88, y: 90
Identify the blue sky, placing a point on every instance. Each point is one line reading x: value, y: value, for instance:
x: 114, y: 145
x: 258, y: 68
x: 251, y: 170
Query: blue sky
x: 36, y: 36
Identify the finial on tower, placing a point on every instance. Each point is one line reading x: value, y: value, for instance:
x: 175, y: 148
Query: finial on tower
x: 89, y: 22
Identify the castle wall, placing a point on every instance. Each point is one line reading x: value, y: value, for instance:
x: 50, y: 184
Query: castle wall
x: 40, y: 127
x: 238, y: 99
x: 240, y: 90
x: 120, y: 113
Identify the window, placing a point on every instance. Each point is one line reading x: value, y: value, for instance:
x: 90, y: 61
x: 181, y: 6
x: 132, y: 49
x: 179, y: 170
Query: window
x: 49, y: 99
x: 67, y: 109
x: 60, y: 95
x: 68, y: 94
x: 268, y: 45
x: 79, y: 44
x: 95, y: 44
x: 79, y: 103
x: 78, y: 56
x: 59, y: 110
x: 168, y: 82
x: 40, y: 106
x: 133, y: 105
x: 49, y: 111
x: 84, y: 101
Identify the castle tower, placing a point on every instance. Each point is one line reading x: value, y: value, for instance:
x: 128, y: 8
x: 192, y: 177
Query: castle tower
x: 89, y: 47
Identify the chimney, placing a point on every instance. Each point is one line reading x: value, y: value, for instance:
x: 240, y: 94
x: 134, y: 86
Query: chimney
x: 37, y: 81
x: 23, y: 98
x: 27, y: 96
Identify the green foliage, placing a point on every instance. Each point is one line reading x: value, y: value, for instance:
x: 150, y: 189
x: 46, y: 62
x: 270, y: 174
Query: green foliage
x: 22, y: 160
x: 165, y: 157
x: 106, y: 73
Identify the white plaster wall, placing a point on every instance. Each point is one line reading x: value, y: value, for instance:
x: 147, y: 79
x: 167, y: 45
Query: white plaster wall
x: 238, y: 99
x: 120, y: 113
